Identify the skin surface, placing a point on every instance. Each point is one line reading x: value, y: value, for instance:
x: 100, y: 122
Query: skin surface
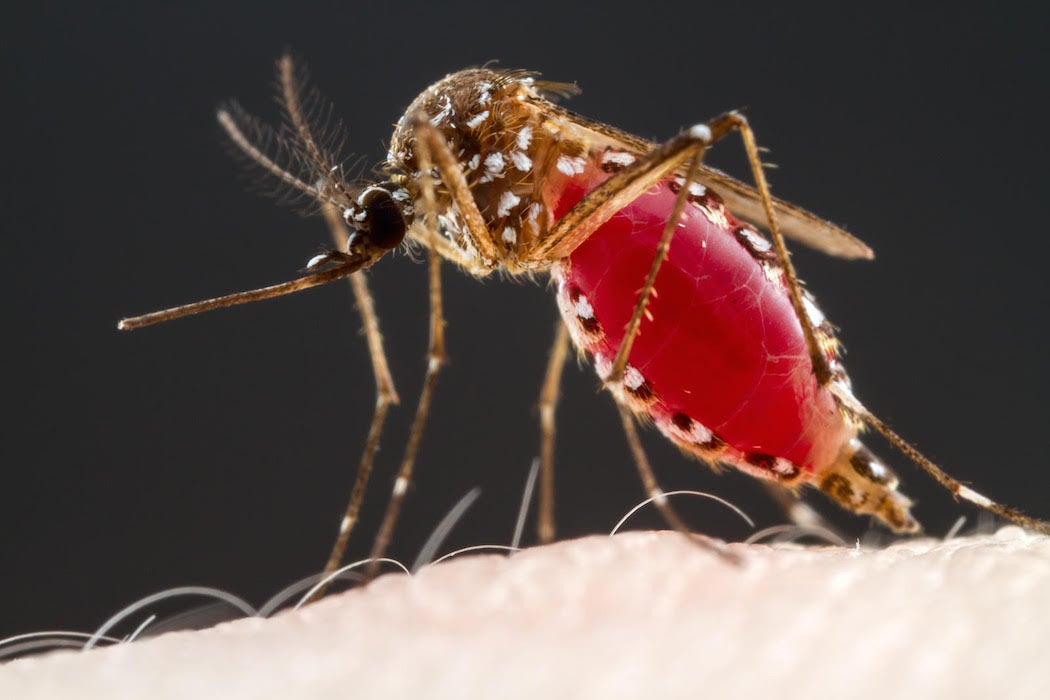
x: 636, y: 615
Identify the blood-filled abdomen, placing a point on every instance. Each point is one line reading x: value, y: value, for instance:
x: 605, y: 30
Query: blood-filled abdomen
x: 720, y: 362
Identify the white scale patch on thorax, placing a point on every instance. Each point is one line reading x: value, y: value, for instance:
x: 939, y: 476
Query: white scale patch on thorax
x: 497, y: 137
x: 521, y: 161
x: 494, y: 165
x: 477, y: 120
x: 524, y: 138
x: 446, y: 111
x: 507, y: 201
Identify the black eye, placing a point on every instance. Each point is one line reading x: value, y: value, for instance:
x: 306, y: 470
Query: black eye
x: 386, y: 224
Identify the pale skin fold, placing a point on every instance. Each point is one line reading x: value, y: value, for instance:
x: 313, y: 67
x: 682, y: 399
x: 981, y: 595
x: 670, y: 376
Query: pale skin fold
x: 636, y: 615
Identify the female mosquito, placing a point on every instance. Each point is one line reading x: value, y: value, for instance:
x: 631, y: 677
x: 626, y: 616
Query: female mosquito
x: 694, y: 319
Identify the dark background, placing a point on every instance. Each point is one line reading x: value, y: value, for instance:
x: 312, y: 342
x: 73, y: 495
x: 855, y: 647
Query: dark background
x: 218, y: 450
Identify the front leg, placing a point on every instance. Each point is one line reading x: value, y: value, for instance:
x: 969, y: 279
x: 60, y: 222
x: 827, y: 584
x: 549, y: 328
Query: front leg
x: 436, y: 358
x: 547, y: 405
x: 450, y: 172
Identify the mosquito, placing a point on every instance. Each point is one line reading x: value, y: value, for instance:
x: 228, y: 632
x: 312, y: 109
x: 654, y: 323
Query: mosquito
x: 695, y: 320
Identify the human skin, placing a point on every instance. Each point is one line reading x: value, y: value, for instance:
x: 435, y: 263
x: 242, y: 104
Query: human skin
x: 645, y: 614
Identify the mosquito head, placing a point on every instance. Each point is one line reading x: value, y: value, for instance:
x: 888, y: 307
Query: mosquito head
x: 379, y: 216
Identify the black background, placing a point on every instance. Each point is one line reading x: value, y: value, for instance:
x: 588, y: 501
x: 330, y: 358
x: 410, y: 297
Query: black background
x: 218, y: 450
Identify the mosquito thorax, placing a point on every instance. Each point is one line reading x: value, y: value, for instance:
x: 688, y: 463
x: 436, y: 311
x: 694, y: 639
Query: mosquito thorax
x: 380, y: 216
x: 497, y: 126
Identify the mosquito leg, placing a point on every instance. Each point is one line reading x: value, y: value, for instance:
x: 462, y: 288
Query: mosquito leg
x: 620, y: 190
x: 605, y: 200
x: 436, y: 358
x: 432, y: 150
x: 593, y: 211
x: 386, y: 395
x: 653, y: 490
x: 548, y: 404
x: 619, y: 364
x: 822, y: 369
x: 290, y: 93
x: 957, y: 489
x: 453, y: 179
x: 794, y: 508
x: 817, y: 357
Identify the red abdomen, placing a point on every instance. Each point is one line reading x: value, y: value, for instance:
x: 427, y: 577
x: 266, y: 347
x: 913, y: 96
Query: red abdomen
x: 722, y: 365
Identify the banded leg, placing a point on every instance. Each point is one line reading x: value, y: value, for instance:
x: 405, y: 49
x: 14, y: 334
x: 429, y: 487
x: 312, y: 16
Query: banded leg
x: 608, y: 198
x: 452, y: 178
x: 598, y: 207
x: 436, y: 358
x: 548, y: 403
x: 686, y: 149
x: 386, y: 395
x: 621, y: 189
x: 823, y: 371
x: 957, y: 489
x: 845, y: 398
x: 721, y: 126
x: 290, y: 93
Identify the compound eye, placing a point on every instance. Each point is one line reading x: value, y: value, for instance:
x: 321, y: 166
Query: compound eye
x: 386, y: 224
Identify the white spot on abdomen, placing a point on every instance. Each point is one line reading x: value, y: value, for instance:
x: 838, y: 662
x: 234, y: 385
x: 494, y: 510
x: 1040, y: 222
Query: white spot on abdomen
x: 816, y: 316
x: 774, y: 274
x: 632, y: 378
x: 570, y: 165
x: 617, y: 158
x: 700, y: 433
x: 583, y: 308
x: 756, y: 241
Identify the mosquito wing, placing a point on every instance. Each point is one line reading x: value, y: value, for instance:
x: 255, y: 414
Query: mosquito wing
x: 795, y: 222
x: 742, y: 199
